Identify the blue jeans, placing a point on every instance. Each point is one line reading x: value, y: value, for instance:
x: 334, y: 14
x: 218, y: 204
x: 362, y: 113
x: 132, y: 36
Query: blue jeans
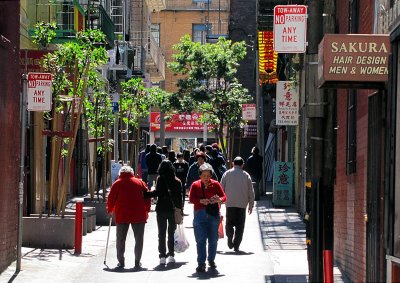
x: 205, y: 228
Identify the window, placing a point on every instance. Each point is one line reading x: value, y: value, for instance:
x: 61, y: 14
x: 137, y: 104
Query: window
x: 155, y: 32
x: 199, y: 32
x: 351, y: 143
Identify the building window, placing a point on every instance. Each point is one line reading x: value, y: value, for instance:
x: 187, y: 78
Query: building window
x: 351, y: 143
x: 199, y: 32
x: 155, y: 32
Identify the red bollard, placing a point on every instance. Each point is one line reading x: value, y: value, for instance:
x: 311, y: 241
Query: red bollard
x: 328, y: 266
x: 78, y: 227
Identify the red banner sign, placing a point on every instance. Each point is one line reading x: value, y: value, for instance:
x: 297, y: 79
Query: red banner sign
x: 178, y: 123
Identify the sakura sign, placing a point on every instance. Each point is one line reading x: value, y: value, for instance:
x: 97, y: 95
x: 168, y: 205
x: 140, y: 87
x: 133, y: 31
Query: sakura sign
x: 290, y: 27
x: 39, y: 91
x: 287, y: 103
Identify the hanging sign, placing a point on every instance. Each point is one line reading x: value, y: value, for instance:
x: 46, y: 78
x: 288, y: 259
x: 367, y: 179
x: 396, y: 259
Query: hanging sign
x: 39, y: 92
x: 290, y: 27
x: 249, y: 112
x: 283, y: 183
x: 287, y: 103
x: 354, y: 60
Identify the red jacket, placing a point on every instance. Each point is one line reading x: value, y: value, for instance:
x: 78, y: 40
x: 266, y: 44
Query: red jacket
x: 196, y: 193
x: 126, y: 200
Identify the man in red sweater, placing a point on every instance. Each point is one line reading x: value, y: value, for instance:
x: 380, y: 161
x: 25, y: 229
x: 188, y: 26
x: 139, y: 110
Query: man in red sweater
x: 126, y: 201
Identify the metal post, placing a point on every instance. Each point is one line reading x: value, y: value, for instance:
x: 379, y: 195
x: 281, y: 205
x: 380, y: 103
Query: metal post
x: 78, y: 226
x: 22, y: 165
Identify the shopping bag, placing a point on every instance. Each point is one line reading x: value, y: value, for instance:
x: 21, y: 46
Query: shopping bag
x: 221, y: 228
x: 181, y: 244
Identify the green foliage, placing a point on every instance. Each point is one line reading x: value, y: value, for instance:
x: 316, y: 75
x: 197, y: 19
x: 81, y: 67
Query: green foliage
x: 135, y: 102
x: 68, y: 62
x: 209, y: 85
x: 44, y: 33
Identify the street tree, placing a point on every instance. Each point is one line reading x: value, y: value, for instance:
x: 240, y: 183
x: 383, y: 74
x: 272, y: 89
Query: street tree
x: 71, y: 65
x: 135, y: 103
x: 208, y: 85
x: 99, y: 118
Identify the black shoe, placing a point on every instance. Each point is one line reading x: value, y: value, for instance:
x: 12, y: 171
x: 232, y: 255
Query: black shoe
x: 201, y: 268
x: 138, y: 265
x: 212, y: 264
x: 236, y: 250
x: 120, y: 265
x: 230, y: 243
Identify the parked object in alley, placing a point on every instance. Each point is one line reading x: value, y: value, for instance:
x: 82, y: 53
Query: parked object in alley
x: 126, y: 201
x: 239, y: 192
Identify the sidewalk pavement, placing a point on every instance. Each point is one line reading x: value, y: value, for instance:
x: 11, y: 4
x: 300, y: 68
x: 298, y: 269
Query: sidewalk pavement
x: 273, y: 250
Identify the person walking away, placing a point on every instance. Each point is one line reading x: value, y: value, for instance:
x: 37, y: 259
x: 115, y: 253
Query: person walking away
x: 238, y: 188
x: 142, y: 163
x: 169, y: 194
x: 193, y: 173
x: 206, y: 195
x: 153, y: 160
x: 172, y: 156
x: 254, y: 166
x: 130, y: 208
x: 181, y: 170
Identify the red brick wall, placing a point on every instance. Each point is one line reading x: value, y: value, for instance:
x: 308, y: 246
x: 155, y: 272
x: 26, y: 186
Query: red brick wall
x: 351, y: 191
x: 10, y: 129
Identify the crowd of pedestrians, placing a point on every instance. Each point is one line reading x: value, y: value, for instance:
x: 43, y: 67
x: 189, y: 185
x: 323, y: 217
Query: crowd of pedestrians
x: 169, y: 177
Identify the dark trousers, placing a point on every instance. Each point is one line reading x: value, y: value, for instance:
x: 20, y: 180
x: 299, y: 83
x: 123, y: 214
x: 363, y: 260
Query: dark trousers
x: 138, y: 232
x: 166, y: 219
x: 234, y: 225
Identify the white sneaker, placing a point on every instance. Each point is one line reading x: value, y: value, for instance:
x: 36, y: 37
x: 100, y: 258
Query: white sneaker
x: 162, y: 260
x: 171, y: 259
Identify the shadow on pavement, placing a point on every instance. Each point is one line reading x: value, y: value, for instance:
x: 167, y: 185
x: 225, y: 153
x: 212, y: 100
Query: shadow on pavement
x: 124, y: 270
x: 169, y: 266
x: 235, y: 253
x: 211, y: 273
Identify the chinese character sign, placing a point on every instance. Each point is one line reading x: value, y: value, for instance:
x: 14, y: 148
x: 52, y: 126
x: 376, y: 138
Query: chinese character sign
x: 287, y: 103
x: 283, y: 183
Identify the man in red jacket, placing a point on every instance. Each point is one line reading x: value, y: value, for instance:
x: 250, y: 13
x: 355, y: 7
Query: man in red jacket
x: 130, y: 208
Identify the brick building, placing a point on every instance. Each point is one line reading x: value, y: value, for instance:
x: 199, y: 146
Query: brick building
x: 360, y: 163
x: 9, y: 124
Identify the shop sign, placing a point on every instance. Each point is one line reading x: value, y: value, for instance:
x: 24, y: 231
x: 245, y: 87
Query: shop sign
x: 290, y: 28
x: 287, y: 103
x: 250, y: 130
x: 283, y: 183
x: 249, y: 112
x: 178, y: 123
x: 353, y: 60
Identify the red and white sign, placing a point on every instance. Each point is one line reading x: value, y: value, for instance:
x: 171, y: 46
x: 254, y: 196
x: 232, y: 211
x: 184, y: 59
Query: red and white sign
x: 178, y: 123
x: 290, y: 27
x: 39, y: 91
x: 249, y: 112
x: 287, y: 103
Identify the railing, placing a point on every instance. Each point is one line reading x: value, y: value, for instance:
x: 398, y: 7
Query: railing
x: 212, y: 5
x: 99, y: 19
x: 153, y: 51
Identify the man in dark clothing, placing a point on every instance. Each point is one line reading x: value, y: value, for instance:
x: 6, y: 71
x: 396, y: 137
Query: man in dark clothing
x: 181, y: 170
x: 254, y: 166
x: 153, y: 160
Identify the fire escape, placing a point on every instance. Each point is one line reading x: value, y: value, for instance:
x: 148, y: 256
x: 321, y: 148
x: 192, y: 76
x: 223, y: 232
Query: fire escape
x: 138, y: 53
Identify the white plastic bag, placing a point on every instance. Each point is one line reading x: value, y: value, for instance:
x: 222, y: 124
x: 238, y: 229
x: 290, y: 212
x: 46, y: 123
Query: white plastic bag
x: 181, y: 244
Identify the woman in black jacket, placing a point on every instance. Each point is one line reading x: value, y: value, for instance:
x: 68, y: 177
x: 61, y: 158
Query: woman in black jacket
x: 169, y: 195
